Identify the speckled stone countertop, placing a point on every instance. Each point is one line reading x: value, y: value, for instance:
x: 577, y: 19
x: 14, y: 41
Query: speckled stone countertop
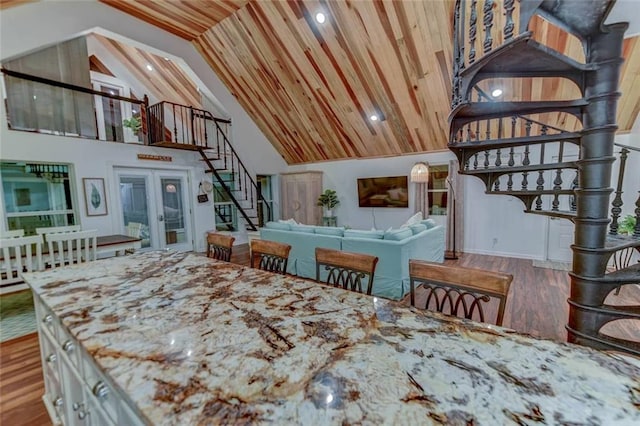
x: 194, y: 341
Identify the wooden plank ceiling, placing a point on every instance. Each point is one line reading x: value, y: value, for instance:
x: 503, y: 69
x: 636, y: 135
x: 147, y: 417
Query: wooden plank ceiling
x: 166, y: 81
x: 312, y: 87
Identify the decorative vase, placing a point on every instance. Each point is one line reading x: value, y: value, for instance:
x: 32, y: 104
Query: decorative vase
x: 328, y: 213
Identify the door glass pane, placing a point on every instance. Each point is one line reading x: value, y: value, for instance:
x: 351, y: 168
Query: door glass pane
x: 174, y: 227
x: 133, y: 193
x: 112, y: 116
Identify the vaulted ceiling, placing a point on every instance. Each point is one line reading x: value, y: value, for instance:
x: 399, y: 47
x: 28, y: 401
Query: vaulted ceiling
x: 312, y: 87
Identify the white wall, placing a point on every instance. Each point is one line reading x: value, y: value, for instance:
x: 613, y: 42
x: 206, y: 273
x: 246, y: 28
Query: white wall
x: 492, y: 224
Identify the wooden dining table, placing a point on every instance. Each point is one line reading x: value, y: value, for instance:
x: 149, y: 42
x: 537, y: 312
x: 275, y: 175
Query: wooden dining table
x: 184, y: 339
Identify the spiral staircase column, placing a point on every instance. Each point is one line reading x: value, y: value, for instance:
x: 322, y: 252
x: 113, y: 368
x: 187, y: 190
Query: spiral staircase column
x: 599, y: 126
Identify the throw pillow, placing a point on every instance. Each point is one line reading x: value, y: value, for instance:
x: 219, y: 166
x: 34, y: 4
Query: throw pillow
x: 291, y: 221
x: 418, y: 228
x: 430, y: 223
x: 373, y: 235
x: 304, y: 228
x: 330, y: 230
x: 278, y: 225
x: 398, y: 234
x: 413, y: 220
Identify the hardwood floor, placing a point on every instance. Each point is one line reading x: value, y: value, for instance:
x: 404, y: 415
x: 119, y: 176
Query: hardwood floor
x: 21, y: 383
x: 537, y: 305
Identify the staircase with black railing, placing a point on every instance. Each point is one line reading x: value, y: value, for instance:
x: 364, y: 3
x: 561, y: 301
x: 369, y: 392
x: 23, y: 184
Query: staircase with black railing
x: 177, y: 126
x: 559, y: 173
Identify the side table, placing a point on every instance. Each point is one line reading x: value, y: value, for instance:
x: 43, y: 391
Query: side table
x: 329, y: 221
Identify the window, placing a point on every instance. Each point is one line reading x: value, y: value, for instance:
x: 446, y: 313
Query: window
x: 438, y: 189
x: 36, y: 195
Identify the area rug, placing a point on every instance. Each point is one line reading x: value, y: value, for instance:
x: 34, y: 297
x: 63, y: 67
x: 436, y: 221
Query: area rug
x: 17, y: 315
x: 550, y: 264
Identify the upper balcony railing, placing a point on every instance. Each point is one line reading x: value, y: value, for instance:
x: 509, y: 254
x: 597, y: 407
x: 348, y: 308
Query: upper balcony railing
x: 41, y: 105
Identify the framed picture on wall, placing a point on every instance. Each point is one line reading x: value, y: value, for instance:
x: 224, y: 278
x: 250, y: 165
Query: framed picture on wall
x: 94, y: 196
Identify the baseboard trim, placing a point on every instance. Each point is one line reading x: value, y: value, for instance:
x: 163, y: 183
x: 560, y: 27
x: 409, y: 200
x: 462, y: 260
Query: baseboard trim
x: 505, y: 254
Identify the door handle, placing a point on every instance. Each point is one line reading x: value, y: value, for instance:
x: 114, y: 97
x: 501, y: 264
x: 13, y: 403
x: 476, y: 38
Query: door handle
x: 160, y: 218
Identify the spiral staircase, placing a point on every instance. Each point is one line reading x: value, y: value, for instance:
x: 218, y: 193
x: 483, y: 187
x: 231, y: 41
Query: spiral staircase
x: 554, y: 172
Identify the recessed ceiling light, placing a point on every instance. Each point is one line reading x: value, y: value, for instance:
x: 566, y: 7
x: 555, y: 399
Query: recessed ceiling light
x: 496, y: 93
x: 320, y: 17
x: 374, y: 117
x: 149, y: 67
x: 166, y: 59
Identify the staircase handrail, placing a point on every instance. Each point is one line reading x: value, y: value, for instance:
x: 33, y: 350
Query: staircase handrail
x: 226, y: 147
x: 629, y: 147
x: 226, y: 142
x: 69, y: 86
x: 227, y: 190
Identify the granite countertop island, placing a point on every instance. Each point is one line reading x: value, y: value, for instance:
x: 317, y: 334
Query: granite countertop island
x: 191, y: 340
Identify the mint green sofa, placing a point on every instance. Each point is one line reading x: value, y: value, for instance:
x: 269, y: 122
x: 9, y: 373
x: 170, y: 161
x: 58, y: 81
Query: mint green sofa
x: 394, y: 249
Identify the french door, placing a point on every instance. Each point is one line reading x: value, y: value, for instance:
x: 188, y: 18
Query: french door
x: 158, y: 200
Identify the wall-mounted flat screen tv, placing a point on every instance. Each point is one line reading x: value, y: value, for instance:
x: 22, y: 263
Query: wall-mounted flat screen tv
x: 390, y: 191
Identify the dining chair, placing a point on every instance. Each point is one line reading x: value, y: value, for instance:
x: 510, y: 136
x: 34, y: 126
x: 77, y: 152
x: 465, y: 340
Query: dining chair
x: 56, y: 230
x: 270, y: 255
x: 219, y: 246
x: 134, y: 229
x: 18, y: 257
x: 16, y: 233
x: 67, y: 248
x: 459, y: 291
x: 346, y: 270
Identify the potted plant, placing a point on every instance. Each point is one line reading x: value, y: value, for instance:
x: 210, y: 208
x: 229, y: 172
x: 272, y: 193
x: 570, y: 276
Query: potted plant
x: 328, y: 199
x: 627, y: 225
x: 132, y: 123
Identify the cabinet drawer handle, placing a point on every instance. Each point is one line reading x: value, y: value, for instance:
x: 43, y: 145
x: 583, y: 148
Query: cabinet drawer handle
x: 100, y: 390
x: 68, y: 346
x: 52, y: 358
x: 57, y: 402
x: 47, y: 319
x: 76, y: 406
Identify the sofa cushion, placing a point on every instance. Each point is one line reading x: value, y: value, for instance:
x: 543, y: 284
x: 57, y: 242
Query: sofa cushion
x: 415, y: 219
x: 398, y: 234
x: 418, y: 228
x: 291, y: 221
x: 304, y: 228
x: 278, y: 225
x: 330, y: 230
x: 372, y: 235
x: 430, y: 223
